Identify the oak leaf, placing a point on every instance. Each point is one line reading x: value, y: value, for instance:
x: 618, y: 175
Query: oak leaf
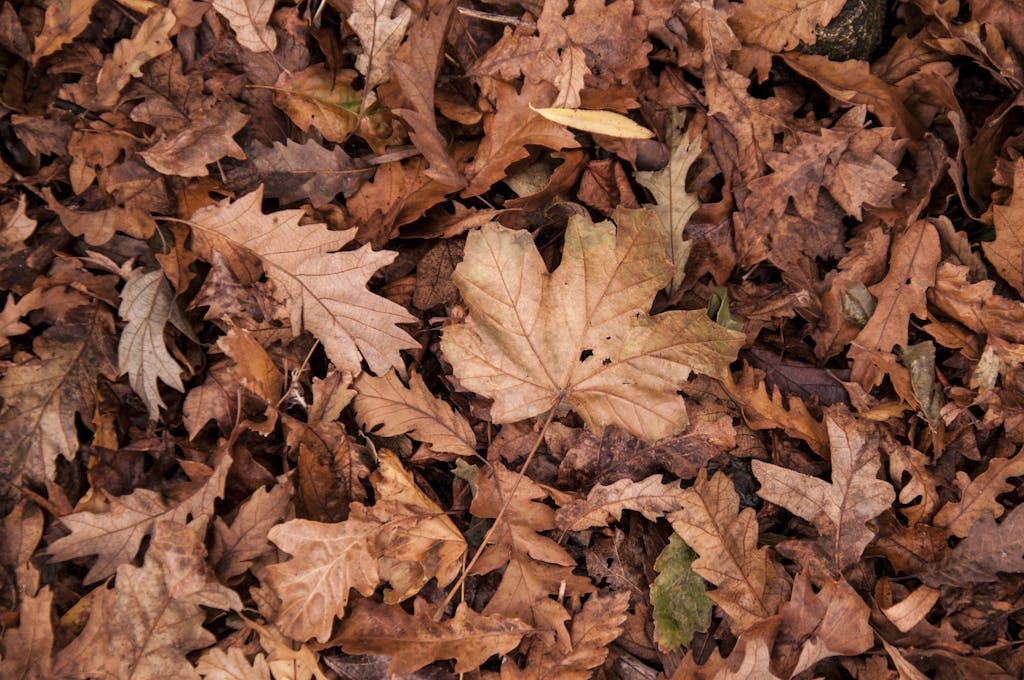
x: 673, y: 204
x: 976, y: 305
x: 840, y: 509
x: 27, y: 649
x: 114, y: 536
x: 147, y: 304
x: 988, y: 550
x: 604, y: 504
x: 150, y: 41
x: 978, y: 495
x: 380, y: 26
x: 237, y: 545
x: 216, y: 664
x: 1006, y: 252
x: 297, y: 173
x: 385, y: 406
x: 62, y: 23
x: 327, y: 289
x: 581, y: 335
x: 751, y: 586
x: 249, y: 20
x: 415, y: 640
x: 43, y: 394
x: 208, y: 138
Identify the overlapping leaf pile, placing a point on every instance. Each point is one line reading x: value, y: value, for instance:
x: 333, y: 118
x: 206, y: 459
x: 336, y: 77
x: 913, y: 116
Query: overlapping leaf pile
x: 325, y: 355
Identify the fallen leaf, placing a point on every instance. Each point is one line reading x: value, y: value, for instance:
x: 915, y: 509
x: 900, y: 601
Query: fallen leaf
x: 147, y: 304
x: 751, y: 586
x: 28, y: 648
x: 207, y: 139
x: 839, y: 510
x: 62, y: 23
x: 150, y: 41
x: 978, y: 495
x: 413, y: 641
x: 236, y: 546
x: 606, y: 123
x: 681, y: 605
x: 380, y: 26
x: 387, y: 407
x: 988, y: 550
x: 326, y: 288
x: 605, y: 504
x: 114, y: 536
x: 779, y: 26
x: 1006, y: 252
x: 297, y: 173
x: 216, y: 664
x: 249, y: 20
x: 580, y: 335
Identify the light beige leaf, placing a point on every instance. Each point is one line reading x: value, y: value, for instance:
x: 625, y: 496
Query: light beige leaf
x: 216, y: 664
x: 249, y: 20
x: 750, y: 584
x: 978, y: 495
x: 598, y: 122
x: 581, y: 335
x: 150, y: 41
x: 147, y: 304
x: 398, y: 409
x: 380, y: 26
x: 327, y: 289
x: 606, y: 502
x: 840, y: 509
x: 673, y: 204
x: 114, y: 536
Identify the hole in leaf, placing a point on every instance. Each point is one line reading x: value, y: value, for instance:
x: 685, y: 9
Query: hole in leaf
x: 586, y: 354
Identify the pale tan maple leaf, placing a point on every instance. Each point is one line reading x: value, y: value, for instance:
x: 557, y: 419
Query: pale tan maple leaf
x: 673, y: 204
x: 380, y: 26
x: 978, y: 495
x: 782, y: 24
x: 249, y: 20
x: 840, y: 509
x: 605, y: 504
x: 387, y: 407
x: 327, y: 289
x: 138, y: 630
x: 413, y: 641
x: 147, y: 304
x: 129, y: 56
x: 581, y: 335
x: 114, y: 536
x: 751, y: 586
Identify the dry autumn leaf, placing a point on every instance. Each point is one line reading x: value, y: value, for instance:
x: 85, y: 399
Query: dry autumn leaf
x: 249, y: 20
x: 581, y: 335
x: 326, y: 288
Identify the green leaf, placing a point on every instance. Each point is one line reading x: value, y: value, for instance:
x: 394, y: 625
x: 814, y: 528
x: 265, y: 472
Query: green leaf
x: 681, y: 607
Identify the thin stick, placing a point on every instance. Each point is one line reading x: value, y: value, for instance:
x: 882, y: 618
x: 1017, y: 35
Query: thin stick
x: 501, y: 513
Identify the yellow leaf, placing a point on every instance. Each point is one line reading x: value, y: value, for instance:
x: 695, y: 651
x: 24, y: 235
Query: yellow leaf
x: 599, y: 122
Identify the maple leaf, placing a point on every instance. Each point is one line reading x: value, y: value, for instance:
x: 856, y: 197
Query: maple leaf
x: 978, y: 495
x: 782, y: 25
x: 681, y: 605
x: 750, y: 584
x: 326, y: 288
x: 581, y: 335
x: 249, y: 20
x: 1006, y: 252
x: 147, y: 304
x: 150, y: 41
x: 386, y: 407
x: 535, y: 565
x: 915, y: 256
x: 605, y: 503
x: 62, y: 23
x: 674, y: 205
x: 404, y: 538
x: 413, y: 641
x: 114, y: 536
x: 839, y: 510
x: 380, y: 34
x: 815, y: 626
x: 161, y: 629
x: 42, y: 395
x: 208, y: 138
x: 310, y: 172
